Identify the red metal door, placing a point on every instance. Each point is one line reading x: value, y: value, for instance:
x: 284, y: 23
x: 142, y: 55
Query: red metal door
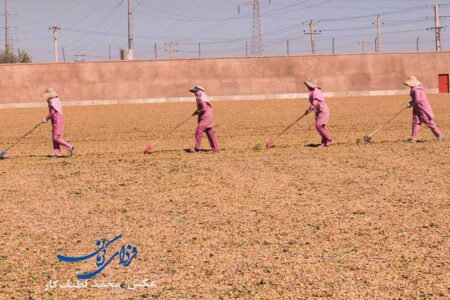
x: 443, y: 83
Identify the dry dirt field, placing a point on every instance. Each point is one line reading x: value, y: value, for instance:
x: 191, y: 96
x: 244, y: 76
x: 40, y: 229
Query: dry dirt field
x: 367, y: 221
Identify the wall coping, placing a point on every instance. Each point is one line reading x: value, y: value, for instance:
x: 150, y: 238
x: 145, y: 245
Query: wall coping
x: 285, y: 96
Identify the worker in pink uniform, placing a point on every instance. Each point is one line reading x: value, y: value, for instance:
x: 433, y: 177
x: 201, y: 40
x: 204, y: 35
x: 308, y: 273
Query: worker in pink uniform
x: 422, y: 112
x: 205, y: 119
x: 320, y: 107
x: 56, y: 116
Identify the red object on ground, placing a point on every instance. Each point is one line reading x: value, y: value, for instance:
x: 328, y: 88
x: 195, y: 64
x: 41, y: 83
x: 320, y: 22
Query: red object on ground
x: 148, y: 149
x: 269, y: 144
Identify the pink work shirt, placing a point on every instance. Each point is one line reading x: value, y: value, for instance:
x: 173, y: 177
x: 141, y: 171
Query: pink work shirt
x: 204, y: 110
x: 419, y: 102
x: 319, y: 106
x: 55, y: 115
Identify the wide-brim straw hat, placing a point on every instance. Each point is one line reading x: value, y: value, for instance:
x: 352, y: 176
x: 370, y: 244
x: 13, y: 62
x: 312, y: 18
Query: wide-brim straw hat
x: 312, y: 83
x: 196, y: 89
x: 412, y: 81
x: 50, y: 93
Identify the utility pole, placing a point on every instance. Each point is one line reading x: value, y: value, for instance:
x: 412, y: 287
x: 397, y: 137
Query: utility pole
x: 128, y: 54
x: 332, y: 45
x: 170, y: 48
x: 199, y: 50
x: 437, y: 27
x: 109, y: 52
x: 417, y: 44
x: 378, y: 40
x: 130, y: 26
x: 156, y: 52
x: 7, y: 45
x: 55, y: 30
x: 364, y: 44
x: 79, y: 57
x: 287, y: 47
x: 64, y: 54
x: 312, y: 32
x: 246, y: 48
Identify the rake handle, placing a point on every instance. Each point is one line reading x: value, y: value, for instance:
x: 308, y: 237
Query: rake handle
x: 290, y: 125
x: 387, y: 122
x: 172, y: 130
x: 24, y: 136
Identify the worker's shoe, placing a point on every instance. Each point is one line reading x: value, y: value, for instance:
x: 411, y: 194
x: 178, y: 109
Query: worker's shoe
x: 441, y: 138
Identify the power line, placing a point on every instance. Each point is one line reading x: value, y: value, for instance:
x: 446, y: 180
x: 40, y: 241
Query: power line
x: 386, y: 13
x: 95, y: 24
x: 212, y: 39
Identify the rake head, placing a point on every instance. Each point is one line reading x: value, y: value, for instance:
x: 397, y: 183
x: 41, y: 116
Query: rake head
x: 3, y: 155
x: 269, y: 144
x: 148, y: 149
x: 257, y: 147
x: 368, y: 139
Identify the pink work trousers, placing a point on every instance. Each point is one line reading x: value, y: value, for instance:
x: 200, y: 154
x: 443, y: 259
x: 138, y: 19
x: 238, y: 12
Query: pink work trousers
x: 58, y: 127
x: 321, y: 120
x: 211, y: 137
x: 418, y: 119
x: 326, y: 137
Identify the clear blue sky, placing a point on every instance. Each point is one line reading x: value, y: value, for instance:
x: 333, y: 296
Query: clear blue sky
x: 91, y: 26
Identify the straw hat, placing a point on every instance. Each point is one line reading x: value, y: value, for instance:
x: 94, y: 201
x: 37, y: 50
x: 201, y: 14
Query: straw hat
x: 50, y: 93
x: 196, y: 89
x: 312, y: 83
x: 412, y: 81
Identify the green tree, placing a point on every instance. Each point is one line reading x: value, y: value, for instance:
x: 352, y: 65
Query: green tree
x: 8, y: 57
